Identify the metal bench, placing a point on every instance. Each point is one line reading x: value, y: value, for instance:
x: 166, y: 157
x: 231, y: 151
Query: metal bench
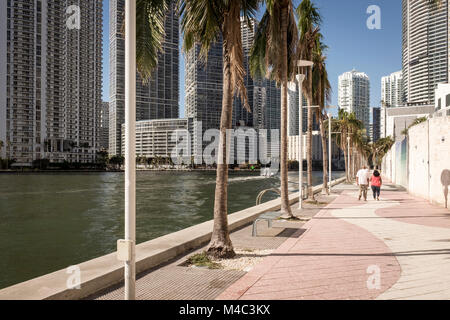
x: 269, y: 217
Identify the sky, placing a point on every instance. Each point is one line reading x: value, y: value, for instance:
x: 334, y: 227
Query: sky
x: 351, y: 44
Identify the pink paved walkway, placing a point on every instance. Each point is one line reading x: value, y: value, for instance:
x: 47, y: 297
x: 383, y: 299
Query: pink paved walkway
x: 335, y: 257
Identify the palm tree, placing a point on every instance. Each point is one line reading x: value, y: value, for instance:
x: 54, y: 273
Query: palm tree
x: 322, y: 94
x: 204, y: 22
x: 352, y: 130
x: 150, y: 18
x: 308, y: 25
x: 437, y: 3
x: 273, y: 56
x: 341, y: 125
x: 380, y: 148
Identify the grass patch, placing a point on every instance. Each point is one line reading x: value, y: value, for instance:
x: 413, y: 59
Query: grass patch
x: 203, y: 260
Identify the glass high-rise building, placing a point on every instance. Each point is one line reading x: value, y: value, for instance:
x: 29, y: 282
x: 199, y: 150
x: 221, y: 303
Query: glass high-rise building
x: 204, y: 81
x: 376, y: 125
x: 157, y: 99
x: 425, y: 48
x: 50, y: 79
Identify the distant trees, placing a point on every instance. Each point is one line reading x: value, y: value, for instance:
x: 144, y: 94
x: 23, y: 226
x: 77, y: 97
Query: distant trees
x: 379, y: 149
x: 116, y: 161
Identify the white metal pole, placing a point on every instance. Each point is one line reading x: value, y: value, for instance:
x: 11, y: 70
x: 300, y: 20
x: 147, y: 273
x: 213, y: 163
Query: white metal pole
x: 329, y: 152
x: 130, y: 146
x: 348, y: 160
x: 300, y: 79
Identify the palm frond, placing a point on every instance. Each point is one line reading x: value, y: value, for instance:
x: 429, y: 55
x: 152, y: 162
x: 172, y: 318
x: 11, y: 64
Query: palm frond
x: 150, y: 19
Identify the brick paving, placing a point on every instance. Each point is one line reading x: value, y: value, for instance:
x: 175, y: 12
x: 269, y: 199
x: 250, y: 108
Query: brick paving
x: 403, y: 238
x: 334, y: 256
x: 172, y: 281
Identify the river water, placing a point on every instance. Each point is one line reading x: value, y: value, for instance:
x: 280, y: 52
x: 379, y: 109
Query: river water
x: 51, y: 221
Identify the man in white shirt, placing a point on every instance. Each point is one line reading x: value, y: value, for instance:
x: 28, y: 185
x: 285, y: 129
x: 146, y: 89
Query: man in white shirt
x: 362, y: 180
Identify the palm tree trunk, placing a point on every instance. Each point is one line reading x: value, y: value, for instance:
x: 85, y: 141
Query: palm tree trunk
x: 347, y: 165
x: 324, y: 140
x: 220, y: 245
x: 285, y: 207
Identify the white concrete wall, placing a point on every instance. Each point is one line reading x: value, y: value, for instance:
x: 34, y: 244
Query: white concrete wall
x: 428, y: 160
x: 439, y: 157
x: 418, y: 160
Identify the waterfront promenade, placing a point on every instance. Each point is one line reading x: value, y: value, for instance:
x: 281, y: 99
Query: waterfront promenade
x: 397, y: 248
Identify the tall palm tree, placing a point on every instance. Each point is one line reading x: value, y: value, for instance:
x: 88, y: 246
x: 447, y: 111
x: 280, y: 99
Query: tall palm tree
x: 341, y: 125
x: 308, y: 24
x: 273, y: 56
x: 204, y: 22
x: 437, y: 3
x: 322, y: 95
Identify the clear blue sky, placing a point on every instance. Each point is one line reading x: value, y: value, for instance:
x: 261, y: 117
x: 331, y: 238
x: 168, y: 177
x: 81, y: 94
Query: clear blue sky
x: 351, y: 44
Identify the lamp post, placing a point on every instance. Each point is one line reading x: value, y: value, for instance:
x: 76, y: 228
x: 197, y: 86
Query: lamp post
x: 300, y: 79
x: 329, y: 146
x: 329, y: 152
x: 348, y: 158
x: 126, y: 248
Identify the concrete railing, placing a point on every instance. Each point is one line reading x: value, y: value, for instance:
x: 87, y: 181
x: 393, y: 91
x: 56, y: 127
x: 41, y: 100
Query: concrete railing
x: 105, y: 271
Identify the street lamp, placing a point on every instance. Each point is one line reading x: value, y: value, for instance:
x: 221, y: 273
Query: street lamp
x: 126, y: 249
x: 329, y: 152
x: 300, y: 78
x: 348, y: 158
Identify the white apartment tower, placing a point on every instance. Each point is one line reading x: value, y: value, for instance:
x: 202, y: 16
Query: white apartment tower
x: 354, y: 95
x: 157, y: 99
x: 425, y: 48
x: 50, y: 80
x: 392, y: 93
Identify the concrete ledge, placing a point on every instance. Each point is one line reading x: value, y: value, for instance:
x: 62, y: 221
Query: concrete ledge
x: 105, y: 271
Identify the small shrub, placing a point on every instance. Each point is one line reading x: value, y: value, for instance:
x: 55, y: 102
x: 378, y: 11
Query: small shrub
x: 203, y: 260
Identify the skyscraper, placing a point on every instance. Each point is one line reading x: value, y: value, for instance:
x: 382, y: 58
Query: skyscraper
x: 392, y: 90
x: 354, y: 95
x: 204, y: 81
x: 376, y: 128
x: 104, y: 126
x: 425, y: 48
x: 50, y: 79
x: 203, y: 86
x: 157, y: 99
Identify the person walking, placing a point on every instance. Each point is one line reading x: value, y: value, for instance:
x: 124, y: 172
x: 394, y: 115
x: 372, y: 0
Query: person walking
x: 376, y: 182
x: 362, y: 180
